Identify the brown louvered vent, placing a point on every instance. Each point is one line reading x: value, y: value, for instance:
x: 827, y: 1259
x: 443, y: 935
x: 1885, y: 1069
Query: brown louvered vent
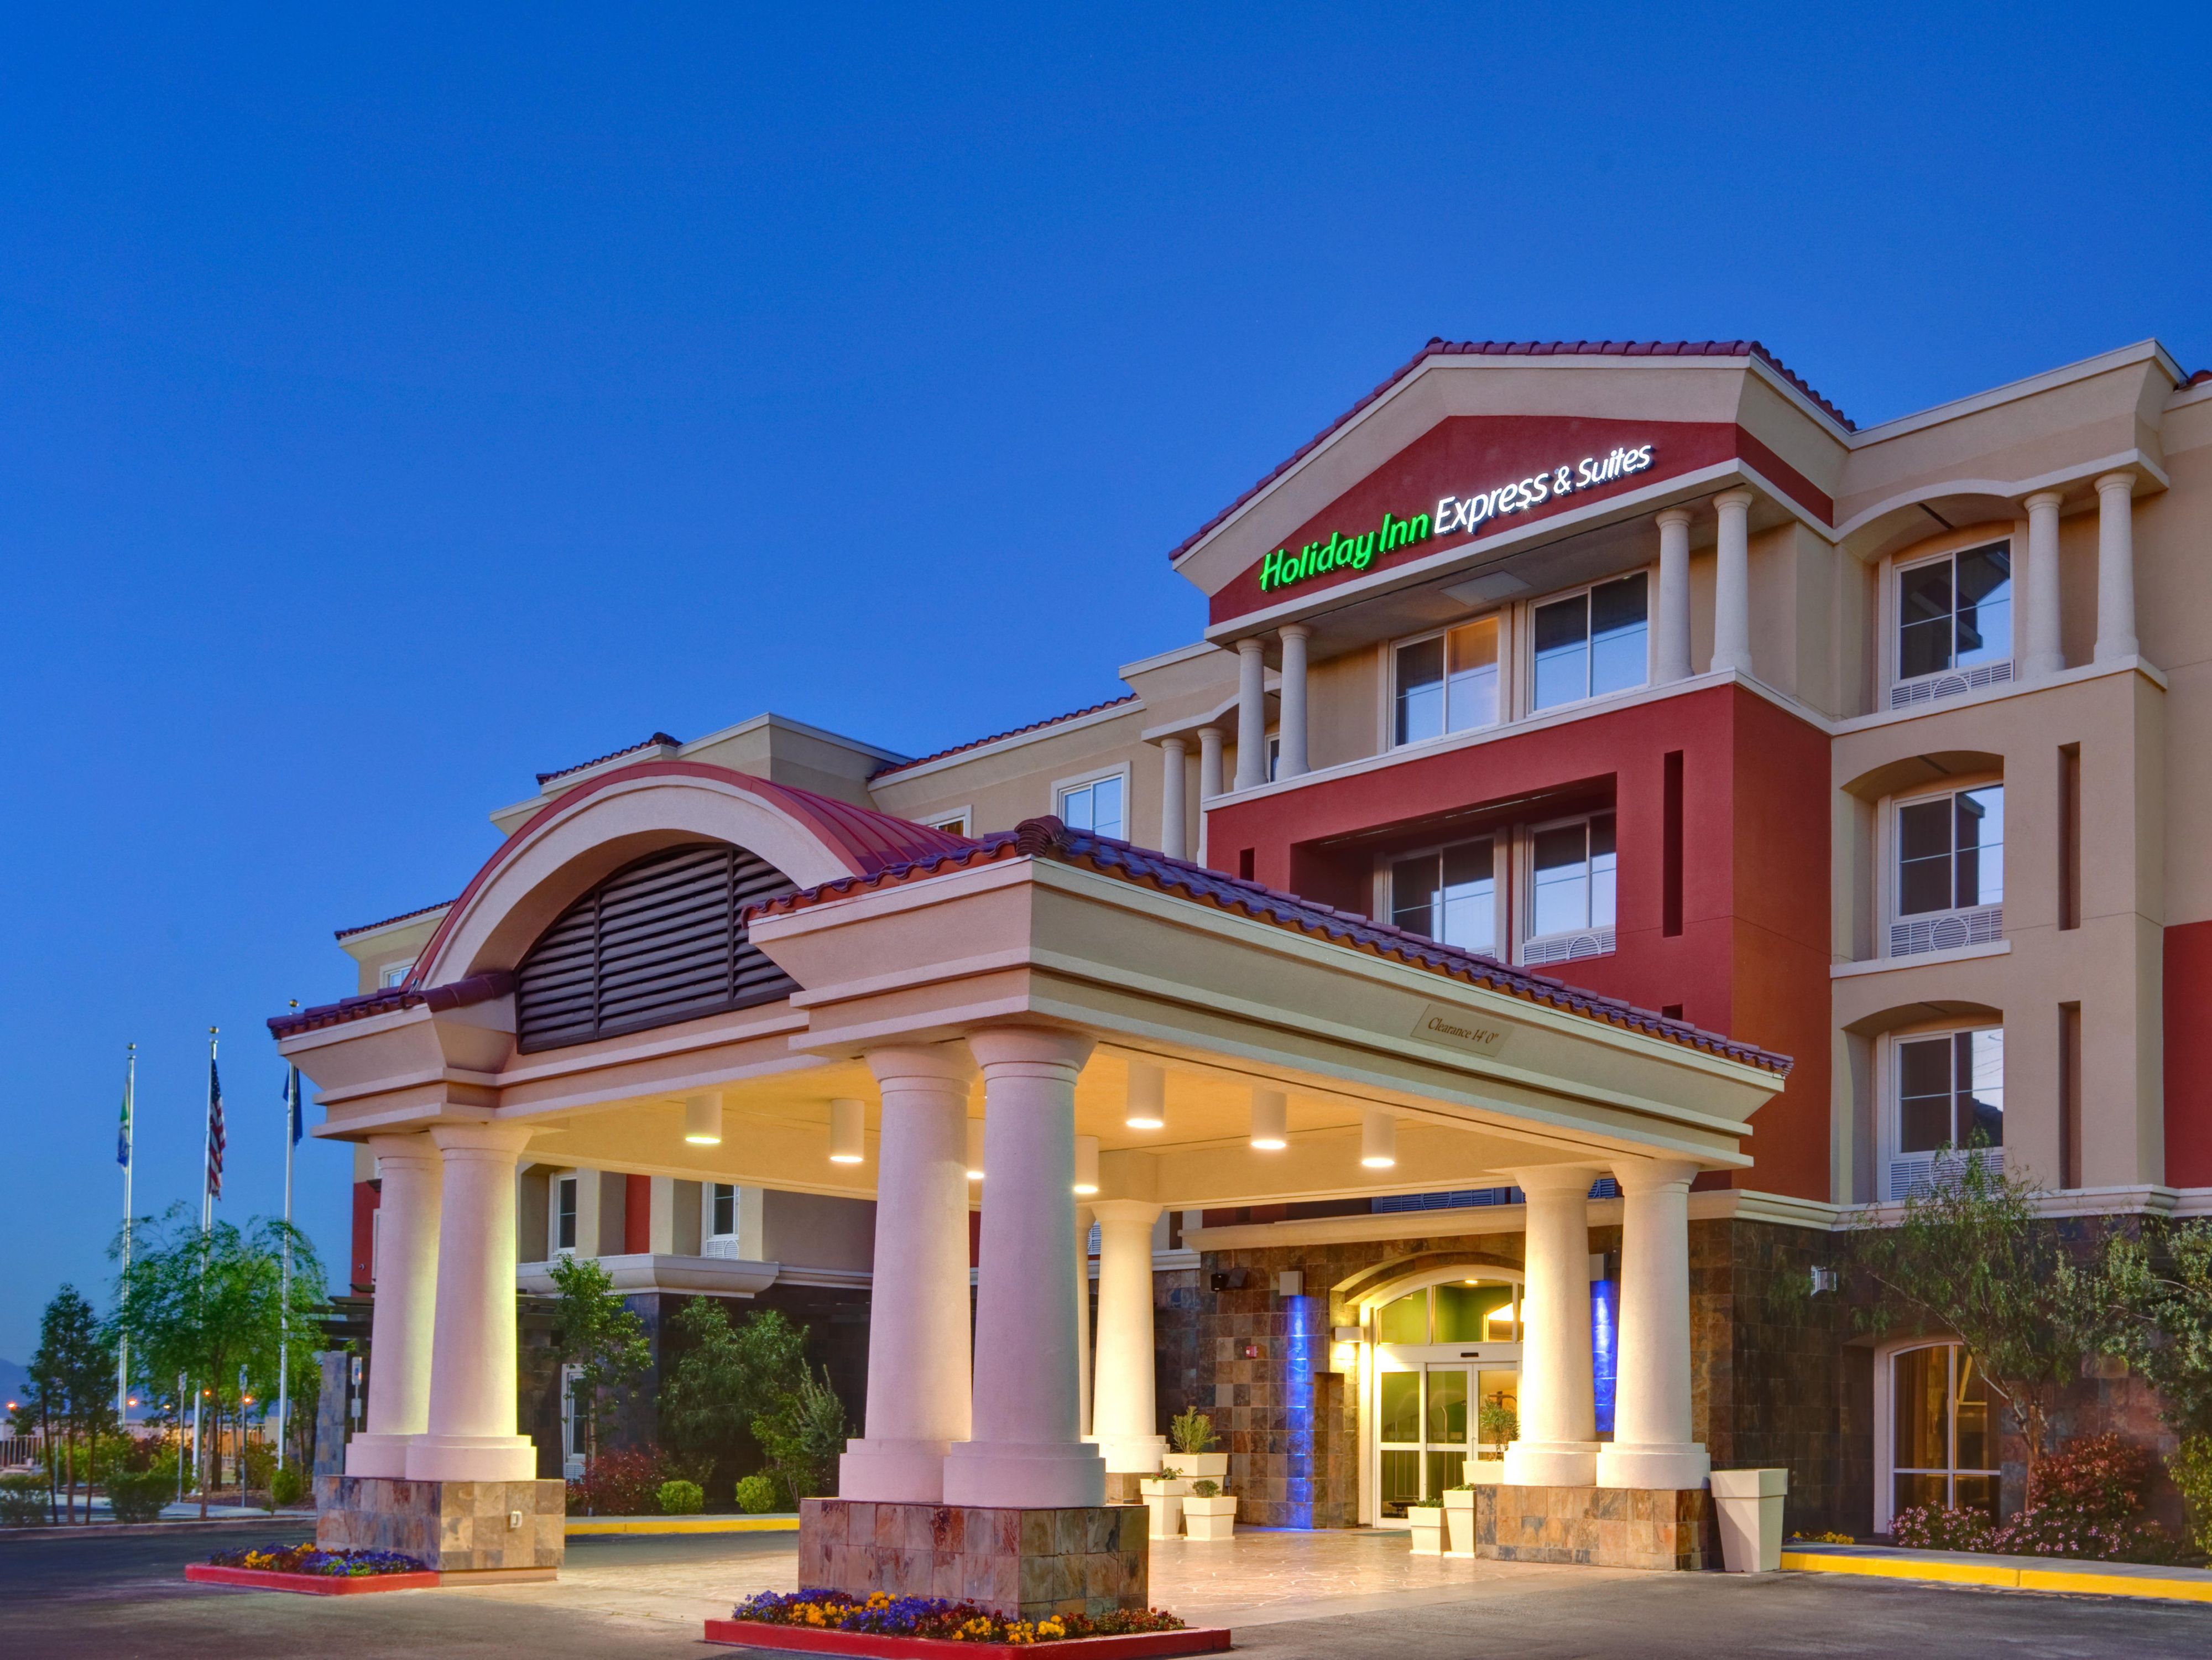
x: 658, y: 941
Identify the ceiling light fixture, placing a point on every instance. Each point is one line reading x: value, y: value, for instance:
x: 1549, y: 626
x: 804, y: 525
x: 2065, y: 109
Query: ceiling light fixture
x: 847, y: 1132
x: 1148, y: 1096
x: 702, y: 1119
x: 1086, y: 1164
x: 1378, y: 1139
x: 974, y: 1149
x: 1271, y: 1120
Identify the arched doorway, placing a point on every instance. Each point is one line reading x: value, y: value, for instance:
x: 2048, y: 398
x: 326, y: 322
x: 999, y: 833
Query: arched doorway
x: 1443, y: 1381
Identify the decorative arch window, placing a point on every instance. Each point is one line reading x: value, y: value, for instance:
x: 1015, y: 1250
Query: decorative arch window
x: 660, y: 940
x: 1942, y: 1442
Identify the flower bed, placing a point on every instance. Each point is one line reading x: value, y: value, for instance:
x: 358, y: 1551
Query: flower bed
x: 308, y: 1568
x: 830, y: 1621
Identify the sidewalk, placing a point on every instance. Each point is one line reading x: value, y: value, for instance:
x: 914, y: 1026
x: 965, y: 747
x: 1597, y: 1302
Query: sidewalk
x: 2042, y: 1573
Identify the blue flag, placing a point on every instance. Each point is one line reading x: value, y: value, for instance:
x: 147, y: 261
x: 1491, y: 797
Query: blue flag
x: 123, y: 1132
x: 292, y: 1104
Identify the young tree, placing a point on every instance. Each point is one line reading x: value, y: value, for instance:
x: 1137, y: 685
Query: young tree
x: 1973, y: 1257
x: 804, y: 1435
x: 211, y: 1305
x: 2150, y: 1300
x: 721, y: 1379
x: 73, y: 1374
x: 595, y: 1332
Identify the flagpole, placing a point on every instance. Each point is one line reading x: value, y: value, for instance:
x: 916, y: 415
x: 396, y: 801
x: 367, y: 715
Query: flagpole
x: 123, y: 1343
x: 285, y: 1308
x: 207, y: 1223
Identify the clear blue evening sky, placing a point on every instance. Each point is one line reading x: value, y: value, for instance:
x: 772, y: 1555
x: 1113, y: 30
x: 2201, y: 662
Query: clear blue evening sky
x: 391, y: 406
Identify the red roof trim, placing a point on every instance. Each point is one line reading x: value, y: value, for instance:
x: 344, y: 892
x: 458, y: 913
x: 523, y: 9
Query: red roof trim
x: 1048, y: 838
x: 371, y: 927
x: 978, y: 743
x: 1442, y: 347
x: 476, y: 988
x: 653, y: 741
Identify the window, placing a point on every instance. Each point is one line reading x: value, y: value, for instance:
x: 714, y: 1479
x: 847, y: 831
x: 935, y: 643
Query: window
x: 1450, y: 895
x: 1572, y: 884
x: 1954, y: 611
x: 565, y: 1214
x: 1095, y: 806
x: 1592, y: 644
x: 1943, y: 1448
x: 1950, y: 1090
x: 1950, y: 870
x: 1448, y: 682
x: 394, y: 974
x: 1427, y: 1407
x: 726, y: 1210
x: 954, y: 824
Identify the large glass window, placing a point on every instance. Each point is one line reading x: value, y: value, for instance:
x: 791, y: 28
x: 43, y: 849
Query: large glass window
x: 1950, y: 1090
x: 1592, y: 644
x: 1449, y: 682
x: 1943, y: 1448
x: 1955, y: 612
x: 1095, y: 806
x: 1573, y: 878
x: 1450, y: 895
x: 1950, y: 851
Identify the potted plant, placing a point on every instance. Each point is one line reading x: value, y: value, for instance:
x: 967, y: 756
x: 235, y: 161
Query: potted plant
x: 1459, y: 1520
x: 1164, y: 1496
x: 1427, y: 1517
x: 1497, y: 1423
x: 1208, y: 1512
x: 1192, y: 1435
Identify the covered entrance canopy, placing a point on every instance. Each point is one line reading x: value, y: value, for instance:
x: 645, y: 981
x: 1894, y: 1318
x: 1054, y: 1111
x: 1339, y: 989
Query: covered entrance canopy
x: 1288, y: 1051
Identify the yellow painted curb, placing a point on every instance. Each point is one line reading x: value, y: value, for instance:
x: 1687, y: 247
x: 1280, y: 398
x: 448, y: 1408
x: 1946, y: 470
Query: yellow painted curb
x: 2083, y: 1580
x: 587, y: 1525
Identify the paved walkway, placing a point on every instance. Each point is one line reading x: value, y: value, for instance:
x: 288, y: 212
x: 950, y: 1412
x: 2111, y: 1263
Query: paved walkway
x: 1330, y: 1596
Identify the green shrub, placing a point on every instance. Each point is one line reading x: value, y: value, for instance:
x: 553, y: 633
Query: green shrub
x: 756, y: 1494
x: 2191, y: 1470
x: 139, y: 1495
x: 287, y: 1487
x: 1930, y: 1527
x: 1206, y: 1489
x: 1191, y: 1432
x: 22, y: 1500
x: 681, y: 1498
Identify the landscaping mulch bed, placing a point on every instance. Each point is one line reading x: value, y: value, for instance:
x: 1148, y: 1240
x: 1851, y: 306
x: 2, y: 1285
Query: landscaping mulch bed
x: 882, y: 1627
x: 314, y: 1584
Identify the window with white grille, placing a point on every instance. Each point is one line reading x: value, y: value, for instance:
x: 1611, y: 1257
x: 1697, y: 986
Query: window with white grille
x: 1954, y: 624
x: 1572, y: 872
x: 1949, y: 874
x: 1947, y: 1109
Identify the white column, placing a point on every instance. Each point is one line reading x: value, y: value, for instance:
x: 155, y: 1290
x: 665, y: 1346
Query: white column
x: 1673, y: 639
x: 1251, y: 714
x: 1291, y: 721
x: 1732, y: 583
x: 1175, y: 839
x: 1083, y: 1221
x: 1126, y: 1412
x: 2046, y: 653
x: 406, y: 1274
x: 918, y: 1322
x: 2116, y: 568
x: 470, y: 1437
x: 1651, y: 1445
x: 1026, y: 1452
x: 1209, y: 763
x: 1558, y: 1446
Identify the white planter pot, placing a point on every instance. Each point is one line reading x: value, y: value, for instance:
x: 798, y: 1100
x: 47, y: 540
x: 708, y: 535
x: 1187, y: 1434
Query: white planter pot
x: 1428, y: 1529
x: 1210, y: 1518
x: 1201, y: 1466
x: 1748, y: 1506
x: 1164, y: 1500
x: 1485, y: 1472
x: 1459, y: 1522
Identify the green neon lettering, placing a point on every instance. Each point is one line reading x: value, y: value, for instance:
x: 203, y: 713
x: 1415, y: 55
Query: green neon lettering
x: 1417, y: 528
x: 1362, y: 550
x: 1271, y: 571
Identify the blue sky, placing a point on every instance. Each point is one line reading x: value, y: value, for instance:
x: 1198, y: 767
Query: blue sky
x: 393, y: 407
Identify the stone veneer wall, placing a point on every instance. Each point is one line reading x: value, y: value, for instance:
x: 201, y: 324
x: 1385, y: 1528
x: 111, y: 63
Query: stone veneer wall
x: 1091, y: 1559
x: 456, y: 1527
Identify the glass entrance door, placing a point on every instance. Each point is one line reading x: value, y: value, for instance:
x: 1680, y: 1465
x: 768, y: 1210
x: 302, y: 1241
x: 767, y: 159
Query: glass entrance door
x: 1422, y: 1429
x: 1440, y: 1354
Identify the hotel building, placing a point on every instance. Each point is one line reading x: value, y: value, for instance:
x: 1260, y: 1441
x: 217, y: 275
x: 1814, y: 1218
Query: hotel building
x: 1621, y: 820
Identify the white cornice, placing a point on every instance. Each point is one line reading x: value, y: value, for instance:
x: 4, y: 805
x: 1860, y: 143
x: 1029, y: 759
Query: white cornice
x: 2103, y: 363
x: 1167, y: 659
x: 1013, y: 740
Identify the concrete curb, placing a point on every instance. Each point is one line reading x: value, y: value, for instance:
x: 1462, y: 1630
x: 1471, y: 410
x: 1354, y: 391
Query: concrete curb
x: 2038, y: 1573
x: 192, y: 1524
x: 585, y: 1526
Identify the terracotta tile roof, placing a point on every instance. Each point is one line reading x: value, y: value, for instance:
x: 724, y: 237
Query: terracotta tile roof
x: 658, y: 738
x: 978, y: 743
x: 1442, y: 347
x: 476, y: 989
x: 370, y: 927
x: 2198, y: 378
x: 1048, y: 838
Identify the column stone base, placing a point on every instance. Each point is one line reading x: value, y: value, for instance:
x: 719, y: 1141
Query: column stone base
x: 456, y: 1527
x: 891, y: 1471
x: 1671, y: 1529
x: 372, y: 1454
x: 471, y: 1459
x: 1678, y: 1465
x: 1551, y: 1464
x: 1023, y: 1563
x: 1132, y: 1455
x: 1019, y: 1475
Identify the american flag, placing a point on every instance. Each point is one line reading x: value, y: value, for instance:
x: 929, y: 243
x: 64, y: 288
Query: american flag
x: 215, y: 1131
